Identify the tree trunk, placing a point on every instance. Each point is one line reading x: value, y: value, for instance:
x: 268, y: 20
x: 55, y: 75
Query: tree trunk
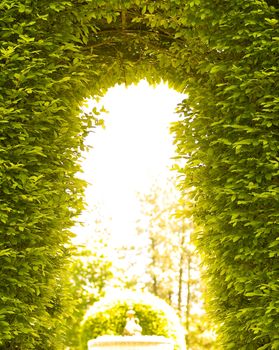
x: 180, y: 274
x: 188, y: 302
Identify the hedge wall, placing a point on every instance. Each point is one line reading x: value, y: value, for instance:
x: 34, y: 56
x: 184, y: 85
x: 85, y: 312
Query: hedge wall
x: 229, y: 135
x: 50, y: 60
x: 41, y: 137
x: 225, y: 54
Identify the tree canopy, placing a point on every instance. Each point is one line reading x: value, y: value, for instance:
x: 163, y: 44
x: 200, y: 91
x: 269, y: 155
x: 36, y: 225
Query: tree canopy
x: 225, y: 55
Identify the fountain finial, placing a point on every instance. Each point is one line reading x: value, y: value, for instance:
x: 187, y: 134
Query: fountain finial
x: 132, y: 326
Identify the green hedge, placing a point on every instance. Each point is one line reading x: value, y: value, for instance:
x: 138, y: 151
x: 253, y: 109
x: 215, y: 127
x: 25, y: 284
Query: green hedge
x: 229, y: 134
x: 42, y: 132
x: 108, y: 317
x: 225, y: 53
x: 53, y: 54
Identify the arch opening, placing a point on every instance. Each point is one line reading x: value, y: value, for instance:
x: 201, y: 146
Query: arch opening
x: 55, y: 53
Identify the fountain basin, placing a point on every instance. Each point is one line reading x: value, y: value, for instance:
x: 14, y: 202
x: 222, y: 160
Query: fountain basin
x: 134, y: 342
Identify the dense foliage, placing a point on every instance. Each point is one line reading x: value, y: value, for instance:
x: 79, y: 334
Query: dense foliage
x: 108, y: 317
x: 41, y: 139
x: 49, y: 58
x: 229, y: 135
x: 55, y: 53
x: 89, y: 273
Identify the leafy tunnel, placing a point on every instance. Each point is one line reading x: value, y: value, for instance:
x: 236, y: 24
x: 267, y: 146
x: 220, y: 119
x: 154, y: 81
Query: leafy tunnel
x: 224, y: 54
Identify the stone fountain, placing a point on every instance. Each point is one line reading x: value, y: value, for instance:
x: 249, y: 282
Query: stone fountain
x: 131, y: 339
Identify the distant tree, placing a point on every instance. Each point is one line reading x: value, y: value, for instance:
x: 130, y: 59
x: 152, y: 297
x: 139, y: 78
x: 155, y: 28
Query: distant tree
x: 88, y: 276
x: 172, y: 269
x: 90, y: 270
x: 165, y: 242
x: 130, y: 266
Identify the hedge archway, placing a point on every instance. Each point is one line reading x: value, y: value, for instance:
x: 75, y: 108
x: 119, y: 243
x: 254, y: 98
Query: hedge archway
x: 55, y: 53
x: 108, y: 317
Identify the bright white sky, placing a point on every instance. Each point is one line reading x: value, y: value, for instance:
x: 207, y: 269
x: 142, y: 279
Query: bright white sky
x: 133, y: 151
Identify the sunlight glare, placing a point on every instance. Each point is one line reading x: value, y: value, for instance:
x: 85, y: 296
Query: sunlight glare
x: 133, y: 150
